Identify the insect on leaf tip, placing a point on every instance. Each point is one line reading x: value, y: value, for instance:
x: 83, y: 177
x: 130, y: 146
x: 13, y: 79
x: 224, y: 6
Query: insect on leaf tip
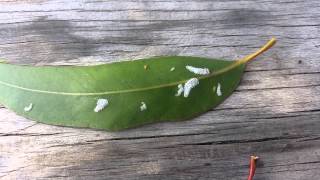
x: 101, y: 104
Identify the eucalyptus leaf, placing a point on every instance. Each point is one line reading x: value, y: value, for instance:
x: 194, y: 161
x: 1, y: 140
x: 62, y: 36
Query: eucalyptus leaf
x: 120, y: 95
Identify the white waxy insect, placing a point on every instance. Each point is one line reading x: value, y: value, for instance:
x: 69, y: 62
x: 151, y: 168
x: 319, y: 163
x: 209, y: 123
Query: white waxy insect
x: 180, y: 90
x: 143, y: 106
x: 101, y: 104
x: 172, y: 69
x: 219, y: 93
x: 28, y: 108
x: 191, y: 83
x: 201, y: 71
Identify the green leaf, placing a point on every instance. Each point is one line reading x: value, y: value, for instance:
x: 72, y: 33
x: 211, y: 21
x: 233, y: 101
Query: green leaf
x: 130, y: 93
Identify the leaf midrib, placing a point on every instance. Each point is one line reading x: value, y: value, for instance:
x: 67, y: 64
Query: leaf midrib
x: 223, y: 70
x: 237, y: 63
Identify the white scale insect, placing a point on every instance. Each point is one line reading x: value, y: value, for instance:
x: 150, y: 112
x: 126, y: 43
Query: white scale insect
x: 191, y: 83
x: 219, y: 92
x: 28, y: 108
x: 196, y: 70
x: 143, y: 106
x: 101, y: 104
x: 180, y: 90
x: 186, y: 89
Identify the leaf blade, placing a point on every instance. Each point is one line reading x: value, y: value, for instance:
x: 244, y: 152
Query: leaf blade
x: 67, y: 95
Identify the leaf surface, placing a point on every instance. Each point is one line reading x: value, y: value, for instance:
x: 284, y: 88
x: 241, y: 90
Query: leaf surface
x: 68, y: 95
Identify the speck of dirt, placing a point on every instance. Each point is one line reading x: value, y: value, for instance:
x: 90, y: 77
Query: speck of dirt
x: 207, y: 164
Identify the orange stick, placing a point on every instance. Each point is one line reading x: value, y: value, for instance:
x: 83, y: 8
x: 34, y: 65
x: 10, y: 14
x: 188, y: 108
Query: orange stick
x: 252, y: 170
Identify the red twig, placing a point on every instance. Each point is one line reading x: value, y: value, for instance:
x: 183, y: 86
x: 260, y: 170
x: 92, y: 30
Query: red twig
x: 252, y: 170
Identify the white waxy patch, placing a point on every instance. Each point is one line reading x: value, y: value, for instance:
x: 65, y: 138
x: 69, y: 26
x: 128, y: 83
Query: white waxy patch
x: 201, y: 71
x: 101, y: 104
x: 172, y: 69
x: 191, y: 83
x: 143, y: 106
x: 180, y: 90
x: 219, y: 93
x: 28, y: 108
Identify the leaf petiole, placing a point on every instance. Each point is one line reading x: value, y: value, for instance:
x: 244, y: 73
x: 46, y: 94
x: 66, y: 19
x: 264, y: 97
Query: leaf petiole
x: 264, y: 48
x: 244, y: 60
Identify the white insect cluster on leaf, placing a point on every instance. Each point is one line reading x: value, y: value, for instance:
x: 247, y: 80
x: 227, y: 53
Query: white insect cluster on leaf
x: 191, y: 83
x: 219, y: 93
x: 28, y: 108
x: 196, y: 70
x: 180, y: 90
x: 101, y: 104
x: 143, y: 106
